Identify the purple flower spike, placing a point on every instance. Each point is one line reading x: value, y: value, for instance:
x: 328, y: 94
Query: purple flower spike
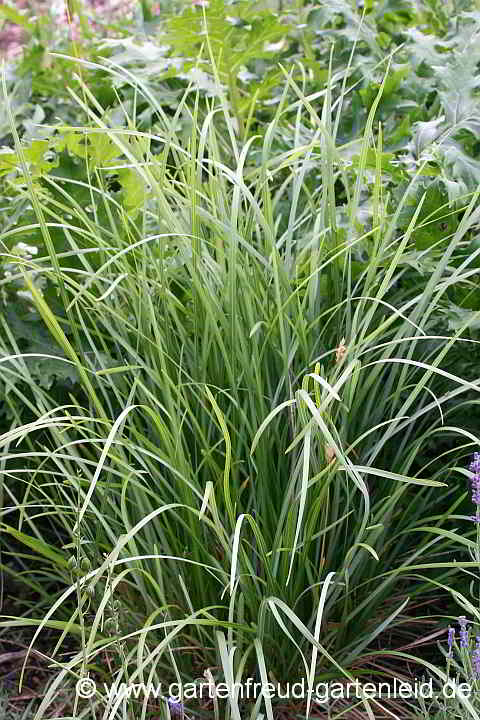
x: 176, y: 707
x: 462, y: 621
x: 476, y: 657
x: 475, y: 469
x: 451, y: 638
x: 475, y: 464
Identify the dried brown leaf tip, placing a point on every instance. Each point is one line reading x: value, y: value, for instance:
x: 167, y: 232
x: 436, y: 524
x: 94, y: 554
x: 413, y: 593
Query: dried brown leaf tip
x: 329, y: 454
x: 341, y: 351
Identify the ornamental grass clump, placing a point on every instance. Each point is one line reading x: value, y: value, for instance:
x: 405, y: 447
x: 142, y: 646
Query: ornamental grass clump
x: 260, y: 372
